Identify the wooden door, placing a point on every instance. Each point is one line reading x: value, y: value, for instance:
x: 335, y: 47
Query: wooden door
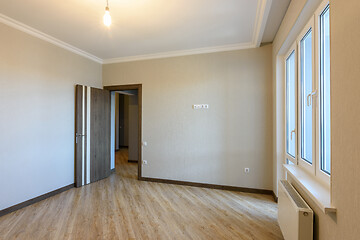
x: 92, y: 135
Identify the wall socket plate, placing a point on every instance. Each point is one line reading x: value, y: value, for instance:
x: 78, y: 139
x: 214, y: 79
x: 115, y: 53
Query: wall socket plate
x: 246, y: 170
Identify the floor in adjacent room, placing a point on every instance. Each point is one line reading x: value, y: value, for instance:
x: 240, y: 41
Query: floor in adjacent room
x: 121, y: 207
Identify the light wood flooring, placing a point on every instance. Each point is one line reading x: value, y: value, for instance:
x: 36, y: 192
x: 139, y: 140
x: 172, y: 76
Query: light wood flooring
x: 121, y: 207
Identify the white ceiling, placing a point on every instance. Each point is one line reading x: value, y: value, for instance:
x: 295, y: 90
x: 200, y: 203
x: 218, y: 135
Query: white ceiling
x: 147, y: 28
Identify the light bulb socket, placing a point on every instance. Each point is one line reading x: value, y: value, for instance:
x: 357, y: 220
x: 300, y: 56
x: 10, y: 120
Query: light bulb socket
x: 107, y: 9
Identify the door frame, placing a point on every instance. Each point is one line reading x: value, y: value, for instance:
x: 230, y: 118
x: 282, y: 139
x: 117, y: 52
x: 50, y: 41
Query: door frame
x: 137, y: 87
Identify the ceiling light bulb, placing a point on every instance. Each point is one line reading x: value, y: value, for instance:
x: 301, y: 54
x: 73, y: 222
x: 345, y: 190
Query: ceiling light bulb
x: 107, y: 17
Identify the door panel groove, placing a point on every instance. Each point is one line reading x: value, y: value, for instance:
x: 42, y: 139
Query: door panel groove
x: 92, y: 157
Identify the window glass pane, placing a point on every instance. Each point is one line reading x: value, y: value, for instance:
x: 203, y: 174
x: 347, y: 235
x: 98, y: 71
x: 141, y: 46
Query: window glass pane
x: 290, y: 104
x: 325, y: 91
x: 306, y: 89
x: 289, y: 162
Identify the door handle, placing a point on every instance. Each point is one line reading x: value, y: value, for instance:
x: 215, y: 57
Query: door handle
x: 79, y: 135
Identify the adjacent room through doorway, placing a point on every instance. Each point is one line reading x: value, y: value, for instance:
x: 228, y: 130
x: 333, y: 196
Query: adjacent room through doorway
x: 126, y: 130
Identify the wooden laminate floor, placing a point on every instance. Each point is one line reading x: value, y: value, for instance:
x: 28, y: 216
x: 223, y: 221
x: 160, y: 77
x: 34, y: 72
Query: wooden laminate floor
x: 121, y: 207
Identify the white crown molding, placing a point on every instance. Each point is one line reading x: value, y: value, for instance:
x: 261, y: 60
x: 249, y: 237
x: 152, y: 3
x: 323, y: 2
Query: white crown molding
x: 36, y: 33
x: 224, y: 48
x: 262, y: 14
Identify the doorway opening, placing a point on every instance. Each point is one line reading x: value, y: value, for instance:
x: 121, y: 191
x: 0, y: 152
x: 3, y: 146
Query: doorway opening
x: 126, y: 109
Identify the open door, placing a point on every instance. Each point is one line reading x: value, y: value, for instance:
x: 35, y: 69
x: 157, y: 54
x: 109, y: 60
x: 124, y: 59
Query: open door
x: 92, y: 135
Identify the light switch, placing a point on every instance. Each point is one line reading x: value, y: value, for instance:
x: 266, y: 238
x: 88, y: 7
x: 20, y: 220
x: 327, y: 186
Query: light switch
x: 200, y: 106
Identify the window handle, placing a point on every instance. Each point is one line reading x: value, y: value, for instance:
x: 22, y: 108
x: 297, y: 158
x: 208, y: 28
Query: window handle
x: 293, y: 131
x: 309, y: 97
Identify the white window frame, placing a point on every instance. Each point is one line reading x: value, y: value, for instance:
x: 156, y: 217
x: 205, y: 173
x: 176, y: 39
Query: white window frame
x: 302, y: 162
x: 323, y: 176
x: 288, y: 156
x: 314, y: 168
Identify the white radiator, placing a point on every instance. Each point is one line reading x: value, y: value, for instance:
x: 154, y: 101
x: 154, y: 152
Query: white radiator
x: 294, y: 215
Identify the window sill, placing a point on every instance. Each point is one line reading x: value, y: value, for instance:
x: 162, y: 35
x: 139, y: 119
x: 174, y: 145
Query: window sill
x: 319, y: 193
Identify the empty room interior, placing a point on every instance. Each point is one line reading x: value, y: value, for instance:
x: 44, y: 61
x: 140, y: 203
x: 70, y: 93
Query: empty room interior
x: 204, y: 119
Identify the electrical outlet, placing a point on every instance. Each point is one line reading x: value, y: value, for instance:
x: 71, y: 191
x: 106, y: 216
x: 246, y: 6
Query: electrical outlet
x: 246, y: 170
x: 145, y: 162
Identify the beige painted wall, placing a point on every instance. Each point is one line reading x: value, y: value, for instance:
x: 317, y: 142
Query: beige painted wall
x: 125, y: 129
x: 345, y: 98
x: 208, y: 146
x: 133, y: 128
x: 37, y: 93
x: 117, y: 125
x: 345, y: 117
x: 123, y: 120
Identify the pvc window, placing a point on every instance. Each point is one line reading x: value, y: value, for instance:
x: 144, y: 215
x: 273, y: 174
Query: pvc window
x: 307, y: 97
